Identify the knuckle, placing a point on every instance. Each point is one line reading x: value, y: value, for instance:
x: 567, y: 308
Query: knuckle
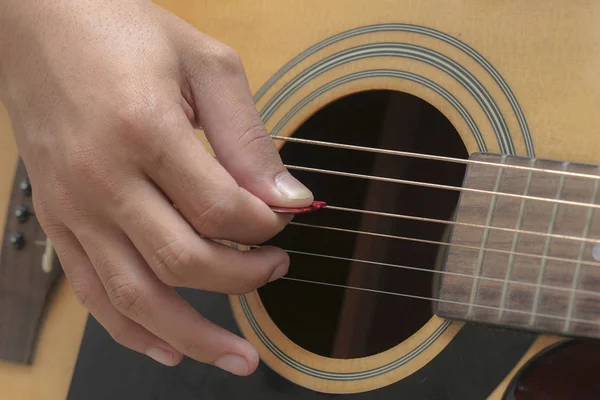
x: 211, y: 215
x: 140, y: 124
x: 41, y: 208
x: 129, y: 124
x: 86, y: 164
x: 137, y: 113
x: 255, y: 142
x: 87, y: 170
x: 82, y: 292
x: 227, y: 59
x: 58, y: 234
x: 82, y: 161
x: 46, y: 219
x: 58, y: 196
x: 171, y: 261
x: 136, y: 107
x: 254, y: 138
x: 125, y: 295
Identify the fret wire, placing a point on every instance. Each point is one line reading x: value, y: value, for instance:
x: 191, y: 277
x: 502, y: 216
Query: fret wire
x: 431, y: 185
x: 580, y: 320
x: 425, y: 156
x: 458, y: 223
x: 518, y: 231
x: 577, y: 272
x: 484, y: 241
x: 548, y: 241
x: 410, y: 239
x: 433, y: 271
x: 513, y: 247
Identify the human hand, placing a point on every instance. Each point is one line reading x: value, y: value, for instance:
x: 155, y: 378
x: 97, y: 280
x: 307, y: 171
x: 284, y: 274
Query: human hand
x: 104, y: 96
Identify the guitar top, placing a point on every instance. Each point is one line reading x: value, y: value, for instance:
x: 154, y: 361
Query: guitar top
x: 455, y: 255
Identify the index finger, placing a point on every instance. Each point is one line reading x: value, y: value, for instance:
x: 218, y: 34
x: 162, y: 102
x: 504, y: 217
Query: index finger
x: 226, y: 110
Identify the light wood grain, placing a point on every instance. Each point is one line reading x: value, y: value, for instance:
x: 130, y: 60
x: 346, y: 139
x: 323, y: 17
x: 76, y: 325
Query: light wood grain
x: 547, y: 50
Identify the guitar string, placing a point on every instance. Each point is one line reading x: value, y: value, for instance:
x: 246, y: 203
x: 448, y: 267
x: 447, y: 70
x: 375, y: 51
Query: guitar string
x: 428, y: 156
x: 442, y: 221
x: 411, y: 239
x: 437, y: 186
x: 428, y: 184
x: 528, y: 313
x: 433, y: 271
x: 446, y: 187
x: 447, y: 159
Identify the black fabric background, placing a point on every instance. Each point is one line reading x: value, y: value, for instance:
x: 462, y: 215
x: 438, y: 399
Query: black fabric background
x: 469, y: 368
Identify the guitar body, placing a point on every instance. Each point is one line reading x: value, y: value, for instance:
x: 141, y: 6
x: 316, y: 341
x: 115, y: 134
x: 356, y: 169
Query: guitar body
x: 448, y: 78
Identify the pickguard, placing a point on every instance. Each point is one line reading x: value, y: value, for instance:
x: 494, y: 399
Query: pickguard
x: 470, y: 367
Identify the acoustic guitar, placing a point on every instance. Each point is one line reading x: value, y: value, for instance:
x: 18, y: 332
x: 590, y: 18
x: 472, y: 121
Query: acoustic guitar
x: 456, y: 145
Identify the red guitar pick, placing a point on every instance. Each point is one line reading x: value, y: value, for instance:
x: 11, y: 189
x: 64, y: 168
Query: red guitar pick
x: 316, y: 205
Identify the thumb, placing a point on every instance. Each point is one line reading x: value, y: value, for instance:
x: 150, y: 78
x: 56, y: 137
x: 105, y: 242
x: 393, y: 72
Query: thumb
x: 225, y: 109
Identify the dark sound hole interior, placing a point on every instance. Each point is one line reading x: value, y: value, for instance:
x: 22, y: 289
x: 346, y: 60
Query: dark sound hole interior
x: 348, y: 323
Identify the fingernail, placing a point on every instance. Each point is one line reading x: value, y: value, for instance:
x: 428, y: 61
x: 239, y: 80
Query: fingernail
x: 232, y: 363
x: 161, y: 355
x: 291, y: 188
x: 279, y: 272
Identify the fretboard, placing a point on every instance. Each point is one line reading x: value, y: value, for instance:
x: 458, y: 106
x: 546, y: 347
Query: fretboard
x: 524, y: 250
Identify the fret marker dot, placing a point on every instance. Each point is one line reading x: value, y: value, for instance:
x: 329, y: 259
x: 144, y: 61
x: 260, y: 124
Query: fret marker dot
x: 596, y: 252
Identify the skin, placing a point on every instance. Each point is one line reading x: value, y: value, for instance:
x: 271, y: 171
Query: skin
x: 104, y: 96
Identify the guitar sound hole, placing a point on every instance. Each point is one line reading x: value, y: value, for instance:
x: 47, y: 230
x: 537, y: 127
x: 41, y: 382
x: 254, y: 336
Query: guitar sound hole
x: 347, y: 323
x: 567, y: 370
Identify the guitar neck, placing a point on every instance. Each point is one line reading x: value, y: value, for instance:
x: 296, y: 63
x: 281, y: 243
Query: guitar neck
x: 525, y: 250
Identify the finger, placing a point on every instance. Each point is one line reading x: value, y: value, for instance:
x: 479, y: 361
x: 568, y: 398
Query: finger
x: 91, y: 294
x: 203, y: 191
x: 136, y: 292
x: 225, y: 108
x: 180, y: 257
